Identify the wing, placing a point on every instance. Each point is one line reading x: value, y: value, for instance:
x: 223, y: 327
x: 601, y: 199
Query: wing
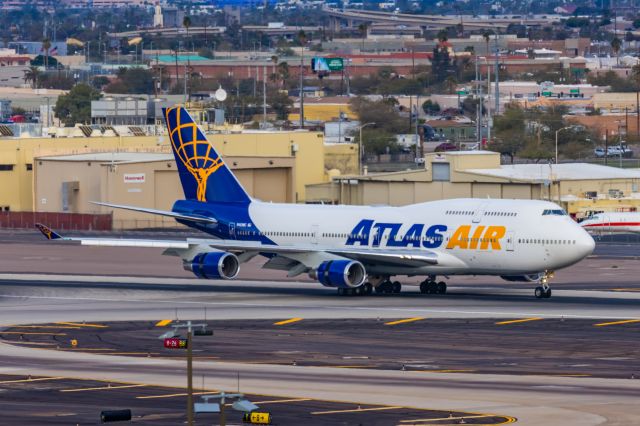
x: 189, y: 217
x: 296, y: 259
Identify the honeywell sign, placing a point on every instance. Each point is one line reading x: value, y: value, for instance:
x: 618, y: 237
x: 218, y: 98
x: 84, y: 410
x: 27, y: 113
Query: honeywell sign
x: 134, y: 178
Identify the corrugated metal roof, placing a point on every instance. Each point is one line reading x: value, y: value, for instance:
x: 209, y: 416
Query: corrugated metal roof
x: 568, y: 171
x: 117, y: 157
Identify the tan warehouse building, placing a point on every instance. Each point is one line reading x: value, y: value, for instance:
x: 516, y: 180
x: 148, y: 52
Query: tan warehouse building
x: 17, y: 192
x: 69, y: 183
x: 580, y: 188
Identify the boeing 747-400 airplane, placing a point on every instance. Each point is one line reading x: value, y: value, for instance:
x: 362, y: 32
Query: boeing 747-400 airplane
x: 356, y: 249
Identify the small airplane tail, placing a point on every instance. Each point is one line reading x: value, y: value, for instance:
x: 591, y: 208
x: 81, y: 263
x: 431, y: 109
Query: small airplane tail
x: 48, y: 232
x: 203, y: 174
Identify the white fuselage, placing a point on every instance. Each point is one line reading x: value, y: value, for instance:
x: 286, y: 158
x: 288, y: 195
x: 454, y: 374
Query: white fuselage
x: 613, y: 223
x: 470, y: 236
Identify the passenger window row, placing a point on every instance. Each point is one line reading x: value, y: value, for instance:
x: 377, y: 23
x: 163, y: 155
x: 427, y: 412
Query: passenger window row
x: 500, y: 214
x: 545, y: 242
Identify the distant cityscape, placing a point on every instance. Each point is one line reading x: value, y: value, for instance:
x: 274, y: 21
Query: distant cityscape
x: 384, y: 85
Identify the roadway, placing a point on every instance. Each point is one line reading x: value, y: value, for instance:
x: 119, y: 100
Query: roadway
x: 554, y: 365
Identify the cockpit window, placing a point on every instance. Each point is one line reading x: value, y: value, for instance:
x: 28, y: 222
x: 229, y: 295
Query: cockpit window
x: 551, y: 212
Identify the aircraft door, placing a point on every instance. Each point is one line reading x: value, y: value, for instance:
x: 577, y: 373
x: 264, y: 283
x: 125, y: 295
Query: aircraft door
x: 232, y: 230
x: 315, y: 230
x: 510, y: 241
x: 477, y: 215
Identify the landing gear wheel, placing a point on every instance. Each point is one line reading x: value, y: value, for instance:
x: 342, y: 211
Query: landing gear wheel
x: 424, y: 287
x: 441, y: 287
x: 379, y: 289
x: 367, y: 288
x: 341, y: 291
x: 387, y: 287
x: 358, y: 291
x: 539, y: 292
x: 547, y: 293
x: 396, y: 287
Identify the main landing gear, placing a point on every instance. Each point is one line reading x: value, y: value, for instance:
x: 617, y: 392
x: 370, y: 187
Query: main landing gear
x: 430, y: 286
x: 544, y: 291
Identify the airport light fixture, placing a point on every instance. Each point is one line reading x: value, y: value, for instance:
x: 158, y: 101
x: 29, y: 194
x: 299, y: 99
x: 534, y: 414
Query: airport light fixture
x: 558, y: 131
x: 172, y: 341
x: 360, y: 145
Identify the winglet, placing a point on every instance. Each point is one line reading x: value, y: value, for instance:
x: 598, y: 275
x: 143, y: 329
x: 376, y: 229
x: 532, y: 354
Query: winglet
x: 48, y: 232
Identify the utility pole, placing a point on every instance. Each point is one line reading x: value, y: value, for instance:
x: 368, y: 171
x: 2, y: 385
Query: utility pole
x: 189, y: 375
x: 302, y: 86
x: 264, y: 96
x: 497, y: 100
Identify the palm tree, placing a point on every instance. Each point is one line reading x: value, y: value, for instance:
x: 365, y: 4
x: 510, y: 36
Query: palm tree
x: 186, y: 22
x: 363, y: 31
x: 635, y: 74
x: 274, y: 59
x: 487, y: 38
x: 46, y: 45
x: 283, y: 70
x: 31, y: 75
x: 616, y: 44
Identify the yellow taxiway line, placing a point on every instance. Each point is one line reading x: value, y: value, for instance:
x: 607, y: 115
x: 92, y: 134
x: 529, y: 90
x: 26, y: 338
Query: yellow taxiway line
x: 173, y: 395
x: 282, y: 401
x: 404, y: 321
x: 41, y: 379
x: 78, y: 324
x: 519, y: 321
x: 103, y: 388
x: 163, y: 323
x: 289, y: 321
x: 355, y: 410
x: 604, y: 324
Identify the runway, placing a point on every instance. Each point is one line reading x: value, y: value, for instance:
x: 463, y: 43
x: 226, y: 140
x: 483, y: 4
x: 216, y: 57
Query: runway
x: 88, y: 285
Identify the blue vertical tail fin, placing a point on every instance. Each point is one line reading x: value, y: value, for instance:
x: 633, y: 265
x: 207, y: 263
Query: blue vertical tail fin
x: 203, y: 174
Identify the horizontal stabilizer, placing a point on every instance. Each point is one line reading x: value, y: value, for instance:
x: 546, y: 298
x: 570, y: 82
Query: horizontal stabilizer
x: 181, y: 216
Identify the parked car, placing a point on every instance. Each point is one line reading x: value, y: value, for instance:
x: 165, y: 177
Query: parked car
x: 446, y: 146
x: 619, y: 150
x: 599, y: 152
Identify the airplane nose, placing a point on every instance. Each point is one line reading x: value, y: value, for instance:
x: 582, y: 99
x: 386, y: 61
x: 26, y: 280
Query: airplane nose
x: 585, y: 244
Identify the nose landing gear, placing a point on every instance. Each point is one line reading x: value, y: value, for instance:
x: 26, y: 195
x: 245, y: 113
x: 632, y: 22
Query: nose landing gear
x: 544, y: 291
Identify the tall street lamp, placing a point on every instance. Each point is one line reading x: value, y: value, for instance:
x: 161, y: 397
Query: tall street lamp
x: 360, y: 146
x: 558, y: 131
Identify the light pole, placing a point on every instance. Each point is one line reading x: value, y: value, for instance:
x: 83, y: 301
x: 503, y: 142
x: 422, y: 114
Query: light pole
x: 360, y: 146
x: 558, y: 131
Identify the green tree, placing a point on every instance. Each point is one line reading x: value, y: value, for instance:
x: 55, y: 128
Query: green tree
x: 616, y: 44
x: 280, y: 104
x: 430, y: 107
x: 135, y: 80
x: 75, y: 106
x: 32, y: 74
x: 186, y: 23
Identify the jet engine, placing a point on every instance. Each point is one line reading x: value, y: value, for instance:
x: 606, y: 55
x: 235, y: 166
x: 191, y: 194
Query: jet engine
x: 529, y: 278
x: 340, y: 273
x: 214, y: 265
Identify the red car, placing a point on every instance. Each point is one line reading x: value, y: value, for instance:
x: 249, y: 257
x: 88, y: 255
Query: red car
x: 446, y: 146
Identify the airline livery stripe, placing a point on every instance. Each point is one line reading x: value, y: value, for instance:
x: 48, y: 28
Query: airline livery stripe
x: 404, y: 321
x: 604, y: 324
x: 592, y: 225
x: 518, y: 321
x: 289, y: 321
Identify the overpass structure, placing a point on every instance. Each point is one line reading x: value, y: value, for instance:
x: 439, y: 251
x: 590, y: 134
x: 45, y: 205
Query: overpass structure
x: 352, y: 18
x: 169, y: 32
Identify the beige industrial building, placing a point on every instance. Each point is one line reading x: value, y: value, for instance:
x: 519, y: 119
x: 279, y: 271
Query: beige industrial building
x: 69, y: 183
x: 578, y: 187
x: 304, y: 149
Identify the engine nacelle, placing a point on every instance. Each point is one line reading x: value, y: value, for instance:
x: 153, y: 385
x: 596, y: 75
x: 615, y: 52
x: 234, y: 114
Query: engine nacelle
x: 214, y: 265
x: 340, y: 273
x: 530, y: 278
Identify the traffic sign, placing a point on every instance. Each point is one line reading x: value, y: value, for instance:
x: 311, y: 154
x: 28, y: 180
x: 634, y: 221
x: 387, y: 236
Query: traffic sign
x: 175, y: 343
x: 257, y: 418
